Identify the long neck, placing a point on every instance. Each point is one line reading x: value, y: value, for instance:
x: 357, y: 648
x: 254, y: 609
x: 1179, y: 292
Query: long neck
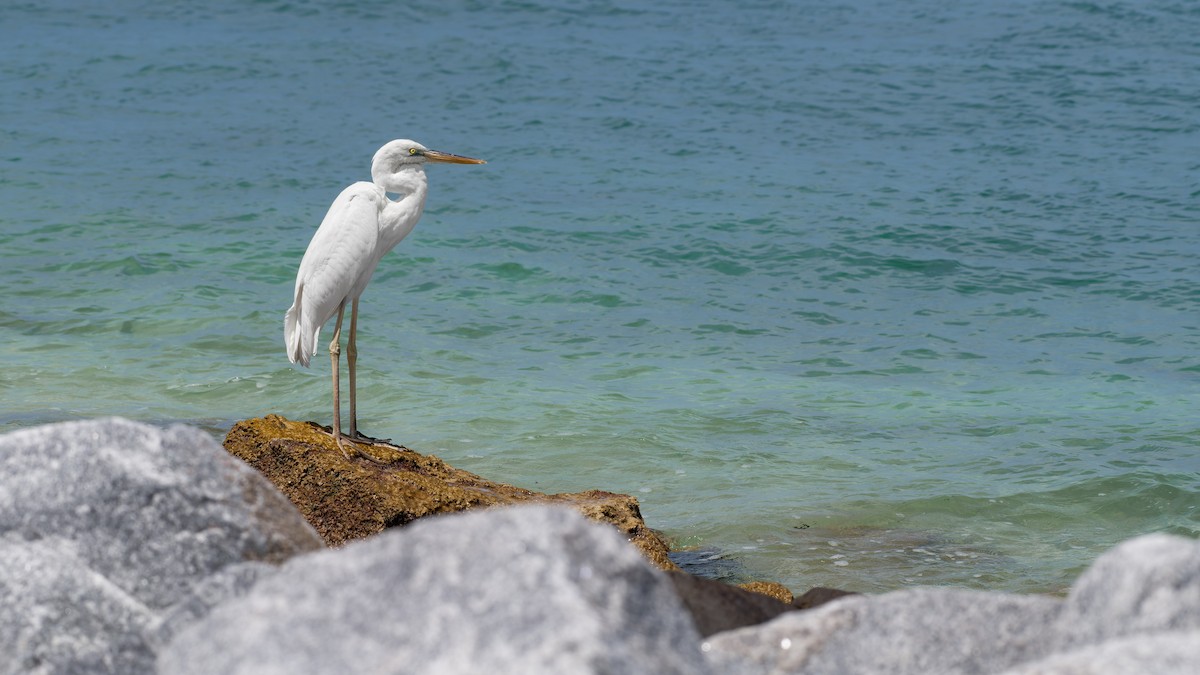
x: 401, y: 215
x: 407, y: 180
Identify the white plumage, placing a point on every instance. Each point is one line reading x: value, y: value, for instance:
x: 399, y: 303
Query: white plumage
x: 362, y: 225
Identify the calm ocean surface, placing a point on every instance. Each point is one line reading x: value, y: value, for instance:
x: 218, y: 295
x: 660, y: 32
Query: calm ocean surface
x: 860, y: 294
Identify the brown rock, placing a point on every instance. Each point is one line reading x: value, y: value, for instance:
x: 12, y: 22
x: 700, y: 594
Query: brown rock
x: 716, y: 606
x: 815, y: 597
x: 347, y: 500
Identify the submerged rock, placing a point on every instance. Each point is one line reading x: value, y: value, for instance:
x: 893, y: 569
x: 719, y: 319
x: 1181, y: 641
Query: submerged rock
x: 351, y: 499
x: 529, y: 589
x: 113, y: 534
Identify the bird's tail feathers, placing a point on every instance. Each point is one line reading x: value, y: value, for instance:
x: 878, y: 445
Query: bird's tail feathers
x: 299, y: 350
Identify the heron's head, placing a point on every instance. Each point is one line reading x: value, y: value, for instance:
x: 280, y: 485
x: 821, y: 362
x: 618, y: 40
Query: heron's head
x: 403, y: 153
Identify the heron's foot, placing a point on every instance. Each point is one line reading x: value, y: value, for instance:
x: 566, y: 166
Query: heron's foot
x: 360, y: 437
x: 346, y: 445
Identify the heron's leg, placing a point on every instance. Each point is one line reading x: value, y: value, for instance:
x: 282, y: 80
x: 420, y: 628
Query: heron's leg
x: 351, y: 362
x: 334, y: 351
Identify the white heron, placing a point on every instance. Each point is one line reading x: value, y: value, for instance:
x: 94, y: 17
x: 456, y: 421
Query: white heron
x: 361, y: 226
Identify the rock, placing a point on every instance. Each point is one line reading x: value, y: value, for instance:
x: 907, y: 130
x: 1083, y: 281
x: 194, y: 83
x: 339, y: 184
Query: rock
x: 118, y: 538
x: 529, y: 589
x: 1143, y: 585
x: 815, y: 597
x: 770, y: 589
x: 716, y: 606
x: 230, y: 581
x: 57, y: 614
x: 1137, y: 609
x: 1169, y: 653
x: 928, y: 630
x: 113, y: 534
x: 346, y: 500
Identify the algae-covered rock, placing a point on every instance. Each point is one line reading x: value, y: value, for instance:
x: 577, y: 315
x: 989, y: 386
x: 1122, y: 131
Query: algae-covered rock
x: 350, y: 499
x: 771, y: 589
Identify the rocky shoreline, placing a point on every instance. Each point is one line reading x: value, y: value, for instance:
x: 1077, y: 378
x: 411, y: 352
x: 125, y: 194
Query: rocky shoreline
x: 128, y: 548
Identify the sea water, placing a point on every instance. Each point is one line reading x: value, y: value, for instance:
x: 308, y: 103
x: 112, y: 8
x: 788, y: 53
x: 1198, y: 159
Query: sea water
x: 862, y: 294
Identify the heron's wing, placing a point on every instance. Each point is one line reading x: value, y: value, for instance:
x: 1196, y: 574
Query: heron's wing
x: 341, y: 251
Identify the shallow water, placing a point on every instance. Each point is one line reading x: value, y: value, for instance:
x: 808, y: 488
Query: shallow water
x: 859, y: 295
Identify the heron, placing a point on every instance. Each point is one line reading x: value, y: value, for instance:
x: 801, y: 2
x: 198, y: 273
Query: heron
x: 362, y: 225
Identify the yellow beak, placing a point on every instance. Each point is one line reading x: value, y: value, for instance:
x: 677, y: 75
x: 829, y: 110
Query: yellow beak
x: 435, y: 156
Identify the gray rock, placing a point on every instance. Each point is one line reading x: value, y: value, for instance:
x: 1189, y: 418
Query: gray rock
x: 1137, y: 609
x: 1170, y: 653
x: 528, y: 589
x: 113, y: 534
x: 928, y: 630
x: 230, y: 581
x: 1144, y: 585
x: 58, y: 615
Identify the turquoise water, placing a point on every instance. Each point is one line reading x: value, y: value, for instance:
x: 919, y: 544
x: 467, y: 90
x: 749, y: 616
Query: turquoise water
x: 857, y: 294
